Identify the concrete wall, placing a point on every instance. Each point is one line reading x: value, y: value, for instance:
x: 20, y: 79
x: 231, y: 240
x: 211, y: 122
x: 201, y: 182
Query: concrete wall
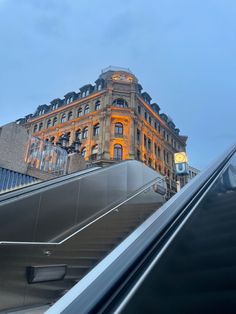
x: 13, y: 145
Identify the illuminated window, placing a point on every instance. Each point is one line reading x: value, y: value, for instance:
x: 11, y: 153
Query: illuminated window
x: 63, y: 118
x: 86, y: 109
x: 118, y: 152
x: 79, y: 112
x: 78, y: 134
x: 85, y: 133
x: 96, y: 130
x: 35, y: 127
x: 54, y: 121
x: 97, y: 105
x: 121, y: 103
x: 70, y: 115
x: 118, y: 129
x: 49, y: 123
x: 83, y: 152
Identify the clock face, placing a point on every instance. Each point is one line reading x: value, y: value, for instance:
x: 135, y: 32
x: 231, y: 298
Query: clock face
x: 122, y: 77
x: 180, y: 157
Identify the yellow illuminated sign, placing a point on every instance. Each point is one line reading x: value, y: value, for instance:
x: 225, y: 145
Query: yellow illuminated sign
x: 180, y: 157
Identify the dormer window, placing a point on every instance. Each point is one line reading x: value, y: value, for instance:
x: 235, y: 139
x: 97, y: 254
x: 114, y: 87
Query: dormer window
x: 54, y: 106
x: 99, y: 87
x: 87, y: 93
x: 83, y: 94
x: 69, y: 100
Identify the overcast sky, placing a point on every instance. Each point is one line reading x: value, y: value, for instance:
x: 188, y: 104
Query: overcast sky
x: 183, y: 53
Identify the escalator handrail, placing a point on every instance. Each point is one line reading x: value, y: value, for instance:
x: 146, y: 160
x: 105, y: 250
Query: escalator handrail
x: 131, y: 196
x: 86, y: 295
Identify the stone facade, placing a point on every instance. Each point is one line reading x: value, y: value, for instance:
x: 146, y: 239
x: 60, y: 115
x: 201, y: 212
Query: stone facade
x: 114, y: 120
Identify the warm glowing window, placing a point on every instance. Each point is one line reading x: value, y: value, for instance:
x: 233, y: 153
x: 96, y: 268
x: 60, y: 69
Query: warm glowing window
x: 63, y: 118
x: 96, y: 130
x: 85, y: 133
x: 86, y: 109
x: 121, y: 103
x: 118, y: 152
x: 118, y: 129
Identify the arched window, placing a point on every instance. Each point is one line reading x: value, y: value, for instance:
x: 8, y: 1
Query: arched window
x: 87, y: 92
x: 54, y: 121
x: 96, y: 129
x: 83, y: 94
x: 35, y: 128
x: 99, y: 87
x: 78, y: 134
x: 49, y: 123
x: 83, y: 152
x: 94, y: 149
x: 79, y: 112
x: 55, y: 106
x: 118, y: 152
x: 70, y: 115
x: 86, y: 109
x: 118, y: 128
x: 85, y: 133
x: 63, y: 118
x: 97, y: 105
x: 121, y: 103
x: 40, y: 126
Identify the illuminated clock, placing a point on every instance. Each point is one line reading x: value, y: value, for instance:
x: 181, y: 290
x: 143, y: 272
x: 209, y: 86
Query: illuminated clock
x: 122, y: 77
x: 180, y: 157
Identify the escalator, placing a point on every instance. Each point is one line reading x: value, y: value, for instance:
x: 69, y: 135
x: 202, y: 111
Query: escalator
x: 182, y: 259
x: 53, y: 233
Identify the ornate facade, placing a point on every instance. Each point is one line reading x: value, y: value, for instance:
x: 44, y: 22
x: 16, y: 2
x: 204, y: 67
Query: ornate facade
x: 114, y: 120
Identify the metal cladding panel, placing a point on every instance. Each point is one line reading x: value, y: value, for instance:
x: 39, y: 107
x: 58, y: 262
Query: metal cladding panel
x: 57, y: 211
x: 93, y: 195
x: 134, y: 176
x: 117, y: 183
x: 18, y: 219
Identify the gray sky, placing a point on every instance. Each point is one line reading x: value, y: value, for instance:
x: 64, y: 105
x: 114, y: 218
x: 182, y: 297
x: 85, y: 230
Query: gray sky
x: 183, y: 53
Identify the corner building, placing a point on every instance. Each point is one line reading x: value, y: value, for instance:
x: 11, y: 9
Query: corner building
x: 114, y: 120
